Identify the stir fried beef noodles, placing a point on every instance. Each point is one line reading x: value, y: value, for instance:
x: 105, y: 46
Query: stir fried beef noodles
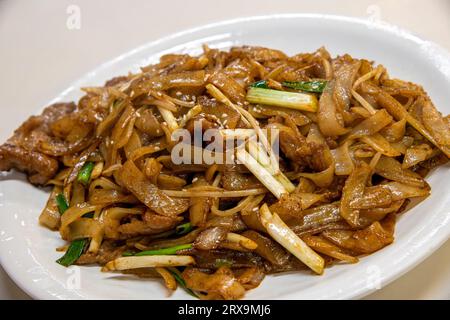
x: 354, y: 148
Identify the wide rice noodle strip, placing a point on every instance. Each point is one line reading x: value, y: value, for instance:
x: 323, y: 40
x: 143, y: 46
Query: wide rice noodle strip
x: 72, y: 214
x: 325, y: 247
x: 143, y: 151
x: 418, y: 153
x: 315, y: 218
x: 380, y: 144
x: 110, y: 219
x: 229, y: 212
x: 398, y: 112
x: 402, y: 191
x: 327, y: 115
x: 169, y: 279
x: 149, y: 194
x: 343, y: 163
x: 111, y: 118
x: 371, y: 125
x: 391, y: 169
x: 104, y: 183
x: 353, y: 189
x: 321, y: 179
x: 125, y: 263
x: 282, y: 234
x: 87, y: 228
x: 50, y: 216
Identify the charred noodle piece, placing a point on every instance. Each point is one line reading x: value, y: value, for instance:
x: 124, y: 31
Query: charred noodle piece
x: 288, y: 239
x: 135, y: 181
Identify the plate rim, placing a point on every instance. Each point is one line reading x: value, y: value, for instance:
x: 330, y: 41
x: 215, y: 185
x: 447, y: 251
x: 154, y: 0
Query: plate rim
x: 37, y: 293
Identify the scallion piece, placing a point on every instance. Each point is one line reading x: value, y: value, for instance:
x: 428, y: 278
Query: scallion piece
x: 74, y: 251
x: 260, y: 84
x: 164, y: 251
x: 179, y: 279
x: 85, y: 173
x: 292, y: 100
x: 183, y: 228
x: 310, y: 86
x: 62, y: 204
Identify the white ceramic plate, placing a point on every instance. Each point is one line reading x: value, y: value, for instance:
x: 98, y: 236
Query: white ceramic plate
x: 27, y: 251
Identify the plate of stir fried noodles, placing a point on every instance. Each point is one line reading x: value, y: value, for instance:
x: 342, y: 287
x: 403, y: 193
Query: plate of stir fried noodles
x: 277, y: 157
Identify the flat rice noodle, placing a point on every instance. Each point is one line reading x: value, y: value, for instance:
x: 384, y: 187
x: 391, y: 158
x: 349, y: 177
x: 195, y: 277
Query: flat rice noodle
x: 314, y: 217
x: 436, y: 125
x: 323, y: 178
x: 344, y: 77
x: 373, y: 197
x: 391, y: 169
x: 229, y: 86
x: 111, y: 196
x: 253, y: 222
x: 268, y: 248
x: 199, y: 206
x: 368, y: 216
x: 395, y: 131
x: 220, y: 285
x: 380, y: 144
x: 354, y: 189
x: 295, y: 203
x: 343, y: 163
x: 416, y: 154
x: 135, y: 181
x: 402, y: 191
x: 371, y: 125
x: 264, y: 111
x: 324, y: 246
x: 402, y: 145
x: 328, y: 119
x: 150, y: 224
x: 172, y: 80
x: 399, y: 112
x: 250, y: 278
x: 210, y: 238
x: 85, y: 228
x: 364, y: 241
x: 50, y: 216
x: 111, y: 218
x: 72, y: 214
x: 214, y: 259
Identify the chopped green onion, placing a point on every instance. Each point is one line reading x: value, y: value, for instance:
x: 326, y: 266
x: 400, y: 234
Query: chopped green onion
x: 164, y: 251
x: 179, y: 279
x: 309, y: 86
x: 88, y: 215
x: 85, y: 173
x: 292, y: 100
x: 260, y: 84
x: 127, y: 254
x: 74, y: 251
x: 62, y: 204
x: 183, y: 228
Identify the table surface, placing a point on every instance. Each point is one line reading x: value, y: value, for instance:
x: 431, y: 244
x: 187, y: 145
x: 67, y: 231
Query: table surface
x: 36, y: 46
